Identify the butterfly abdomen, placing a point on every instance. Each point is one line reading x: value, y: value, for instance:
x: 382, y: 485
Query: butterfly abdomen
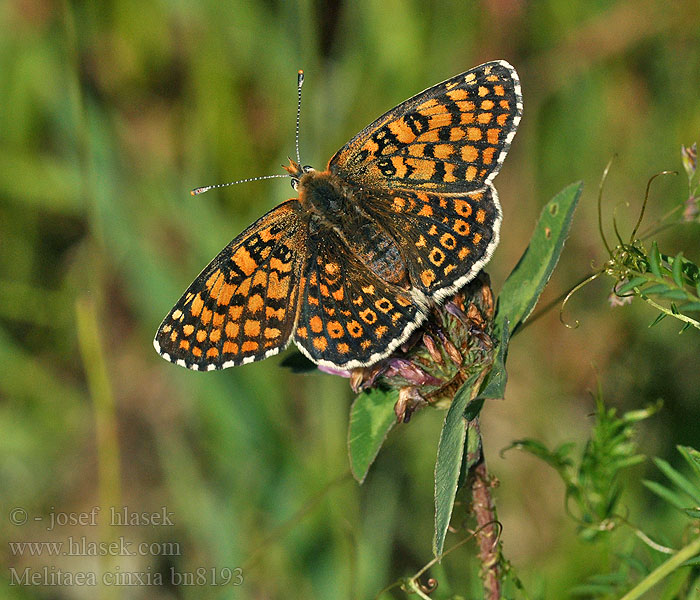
x: 333, y: 204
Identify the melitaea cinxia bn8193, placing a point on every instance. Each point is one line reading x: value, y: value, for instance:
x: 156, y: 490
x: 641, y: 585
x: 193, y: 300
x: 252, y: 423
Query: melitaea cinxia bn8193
x: 404, y: 215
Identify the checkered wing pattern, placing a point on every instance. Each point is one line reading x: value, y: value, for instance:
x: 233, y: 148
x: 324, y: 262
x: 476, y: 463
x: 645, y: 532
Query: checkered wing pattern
x: 349, y: 317
x: 242, y: 306
x: 445, y: 240
x: 451, y: 138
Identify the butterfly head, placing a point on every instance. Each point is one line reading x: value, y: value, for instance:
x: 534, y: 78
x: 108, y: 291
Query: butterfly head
x: 296, y: 171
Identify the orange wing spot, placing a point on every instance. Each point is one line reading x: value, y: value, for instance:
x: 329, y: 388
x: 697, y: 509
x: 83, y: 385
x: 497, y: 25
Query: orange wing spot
x: 312, y: 301
x: 255, y: 303
x: 218, y: 319
x: 339, y: 294
x: 400, y: 167
x: 206, y: 316
x: 368, y: 289
x: 402, y: 131
x: 343, y: 348
x: 366, y: 344
x: 491, y: 77
x: 399, y: 204
x: 457, y: 95
x: 427, y: 277
x: 271, y: 333
x: 214, y: 291
x: 423, y: 196
x: 443, y: 150
x: 329, y: 311
x: 469, y: 154
x: 504, y: 104
x: 197, y: 305
x: 316, y: 324
x: 483, y: 90
x: 230, y: 348
x: 403, y: 300
x: 335, y: 329
x: 487, y: 104
x: 470, y: 78
x: 168, y: 328
x: 371, y: 147
x: 323, y: 288
x: 456, y: 134
x: 466, y: 118
x: 235, y: 312
x: 432, y: 135
x: 188, y: 329
x: 423, y: 169
x: 384, y: 305
x: 212, y: 279
x: 426, y: 211
x: 212, y: 353
x: 463, y: 253
x: 480, y: 215
x: 448, y: 241
x: 463, y: 208
x: 232, y: 329
x: 368, y: 316
x: 448, y: 269
x: 470, y: 173
x: 441, y: 120
x: 449, y: 172
x: 395, y: 317
x: 501, y: 119
x: 215, y: 335
x: 277, y: 265
x: 251, y: 328
x: 380, y: 331
x: 278, y: 288
x: 417, y: 150
x: 436, y: 256
x: 466, y: 106
x: 197, y: 351
x: 302, y: 333
x: 428, y: 104
x: 244, y: 261
x: 320, y: 343
x: 487, y: 155
x: 473, y: 134
x: 250, y: 346
x: 184, y: 344
x: 355, y: 329
x: 498, y: 90
x: 432, y: 230
x: 421, y: 242
x: 461, y: 227
x: 201, y: 335
x: 177, y: 315
x: 358, y: 301
x: 484, y: 118
x: 226, y: 293
x: 278, y: 314
x: 332, y: 268
x: 492, y: 136
x: 476, y: 238
x: 260, y: 278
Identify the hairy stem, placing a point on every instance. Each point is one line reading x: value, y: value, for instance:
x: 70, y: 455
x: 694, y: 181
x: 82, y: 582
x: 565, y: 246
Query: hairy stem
x: 487, y: 531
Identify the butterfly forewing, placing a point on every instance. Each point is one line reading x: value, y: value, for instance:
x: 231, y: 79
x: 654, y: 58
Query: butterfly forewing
x: 451, y: 138
x: 349, y: 317
x: 242, y: 306
x: 444, y: 239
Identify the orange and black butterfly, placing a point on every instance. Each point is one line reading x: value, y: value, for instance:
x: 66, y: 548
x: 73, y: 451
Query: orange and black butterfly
x: 404, y: 215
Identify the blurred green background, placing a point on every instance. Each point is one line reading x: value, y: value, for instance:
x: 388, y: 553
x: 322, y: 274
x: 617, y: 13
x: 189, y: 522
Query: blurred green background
x: 110, y: 112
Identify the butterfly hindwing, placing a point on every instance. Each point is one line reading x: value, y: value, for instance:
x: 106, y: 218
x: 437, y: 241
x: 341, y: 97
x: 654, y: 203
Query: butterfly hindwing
x: 349, y: 317
x: 445, y: 240
x: 242, y: 306
x: 451, y: 138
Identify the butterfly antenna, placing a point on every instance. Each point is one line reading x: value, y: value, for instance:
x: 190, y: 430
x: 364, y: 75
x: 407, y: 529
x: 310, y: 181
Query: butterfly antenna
x: 300, y: 82
x: 206, y: 188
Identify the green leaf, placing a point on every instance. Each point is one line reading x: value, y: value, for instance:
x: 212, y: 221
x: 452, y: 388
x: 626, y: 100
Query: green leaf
x: 692, y: 457
x: 655, y: 260
x: 689, y: 306
x: 371, y: 418
x: 666, y: 494
x: 449, y: 462
x: 673, y: 295
x: 657, y: 288
x: 494, y: 386
x: 678, y: 269
x: 524, y: 285
x: 693, y: 513
x: 635, y: 282
x: 679, y: 480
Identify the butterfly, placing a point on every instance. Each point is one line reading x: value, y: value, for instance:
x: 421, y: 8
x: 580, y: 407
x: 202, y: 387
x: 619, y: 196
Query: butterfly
x: 403, y: 216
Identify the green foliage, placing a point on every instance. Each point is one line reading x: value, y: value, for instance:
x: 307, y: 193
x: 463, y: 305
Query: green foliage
x: 593, y: 482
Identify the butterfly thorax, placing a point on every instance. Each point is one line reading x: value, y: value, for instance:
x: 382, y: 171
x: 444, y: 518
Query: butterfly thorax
x: 331, y: 203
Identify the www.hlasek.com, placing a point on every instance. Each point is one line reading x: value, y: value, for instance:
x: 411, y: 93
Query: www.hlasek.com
x: 52, y: 576
x: 81, y: 546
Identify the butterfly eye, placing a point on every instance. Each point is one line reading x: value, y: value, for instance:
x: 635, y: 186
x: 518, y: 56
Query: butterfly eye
x: 295, y: 183
x: 307, y: 168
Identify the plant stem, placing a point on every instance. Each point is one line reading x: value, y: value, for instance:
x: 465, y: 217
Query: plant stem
x: 663, y: 570
x: 487, y: 531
